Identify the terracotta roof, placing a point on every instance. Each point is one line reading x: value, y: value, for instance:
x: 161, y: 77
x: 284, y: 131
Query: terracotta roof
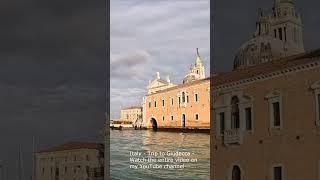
x: 264, y: 68
x: 181, y: 86
x: 133, y: 107
x: 73, y: 146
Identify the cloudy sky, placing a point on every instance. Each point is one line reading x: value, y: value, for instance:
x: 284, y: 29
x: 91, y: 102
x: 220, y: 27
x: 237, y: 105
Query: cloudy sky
x: 52, y: 75
x: 53, y: 59
x: 150, y: 36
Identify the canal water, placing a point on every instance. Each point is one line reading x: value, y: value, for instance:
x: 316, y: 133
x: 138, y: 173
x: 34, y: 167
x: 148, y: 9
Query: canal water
x: 145, y: 141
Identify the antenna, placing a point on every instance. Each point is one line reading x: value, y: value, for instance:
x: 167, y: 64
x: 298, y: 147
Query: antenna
x: 33, y: 159
x: 20, y: 168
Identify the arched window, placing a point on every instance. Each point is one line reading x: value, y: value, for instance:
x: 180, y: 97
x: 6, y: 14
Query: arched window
x: 235, y: 120
x: 236, y: 173
x: 183, y: 97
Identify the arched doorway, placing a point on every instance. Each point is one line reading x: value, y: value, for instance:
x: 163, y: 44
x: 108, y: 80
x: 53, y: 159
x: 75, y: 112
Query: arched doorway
x: 236, y: 173
x: 154, y: 124
x: 183, y: 121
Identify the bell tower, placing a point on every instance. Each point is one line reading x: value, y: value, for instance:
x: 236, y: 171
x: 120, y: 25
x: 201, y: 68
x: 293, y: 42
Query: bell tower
x: 198, y: 67
x: 196, y: 70
x: 286, y: 25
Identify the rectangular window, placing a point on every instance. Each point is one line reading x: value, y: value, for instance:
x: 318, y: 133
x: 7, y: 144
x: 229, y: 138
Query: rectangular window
x: 285, y: 33
x: 275, y: 33
x: 149, y: 104
x: 196, y: 97
x: 187, y: 99
x: 87, y: 169
x: 155, y: 104
x: 172, y: 101
x: 197, y: 116
x: 280, y: 33
x: 162, y: 118
x: 222, y: 123
x: 248, y: 118
x: 276, y: 114
x: 162, y: 102
x: 277, y: 173
x: 295, y: 35
x: 179, y: 100
x: 57, y: 172
x: 171, y: 118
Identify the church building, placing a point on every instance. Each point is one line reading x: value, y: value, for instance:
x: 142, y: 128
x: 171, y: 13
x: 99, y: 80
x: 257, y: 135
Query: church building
x: 182, y: 106
x: 266, y: 112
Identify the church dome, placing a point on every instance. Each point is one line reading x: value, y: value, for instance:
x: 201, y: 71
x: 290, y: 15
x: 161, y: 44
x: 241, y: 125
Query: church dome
x: 258, y: 50
x: 284, y: 1
x: 191, y: 77
x: 261, y: 49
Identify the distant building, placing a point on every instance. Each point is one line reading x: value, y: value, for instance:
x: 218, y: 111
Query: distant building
x: 71, y: 161
x: 129, y: 117
x: 133, y: 114
x: 266, y: 113
x: 179, y: 106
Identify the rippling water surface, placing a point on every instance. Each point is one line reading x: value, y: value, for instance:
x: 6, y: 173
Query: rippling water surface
x: 146, y: 140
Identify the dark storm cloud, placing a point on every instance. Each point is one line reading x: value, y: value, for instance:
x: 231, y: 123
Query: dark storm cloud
x: 131, y: 59
x: 52, y: 74
x: 123, y: 66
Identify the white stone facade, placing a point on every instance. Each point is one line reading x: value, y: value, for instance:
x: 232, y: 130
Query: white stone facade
x: 69, y: 164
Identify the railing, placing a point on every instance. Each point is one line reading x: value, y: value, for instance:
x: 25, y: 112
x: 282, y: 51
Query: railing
x: 233, y: 136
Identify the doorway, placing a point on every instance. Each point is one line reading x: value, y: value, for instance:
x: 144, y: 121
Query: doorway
x: 236, y: 173
x: 154, y: 124
x: 183, y: 121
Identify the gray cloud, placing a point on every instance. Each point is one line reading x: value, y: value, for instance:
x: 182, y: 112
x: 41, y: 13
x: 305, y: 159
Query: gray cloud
x: 124, y: 66
x: 131, y: 59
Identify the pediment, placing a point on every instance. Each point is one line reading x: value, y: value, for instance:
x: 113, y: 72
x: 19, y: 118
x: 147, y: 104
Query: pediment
x: 157, y: 83
x: 274, y: 93
x: 315, y: 85
x: 246, y: 98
